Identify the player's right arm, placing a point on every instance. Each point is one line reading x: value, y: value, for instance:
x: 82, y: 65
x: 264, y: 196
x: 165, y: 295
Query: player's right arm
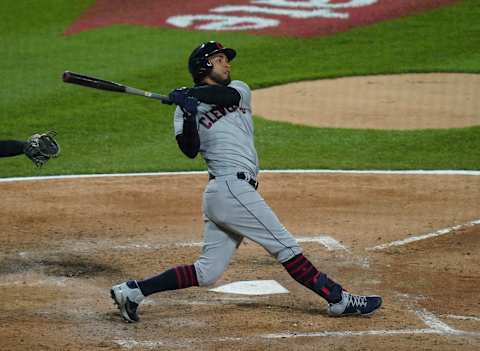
x: 216, y: 95
x: 244, y: 93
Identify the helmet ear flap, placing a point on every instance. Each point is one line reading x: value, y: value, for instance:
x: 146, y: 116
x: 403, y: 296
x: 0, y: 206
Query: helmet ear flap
x: 203, y: 67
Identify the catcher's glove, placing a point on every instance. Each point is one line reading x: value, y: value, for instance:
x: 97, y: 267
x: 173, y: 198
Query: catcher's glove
x: 41, y: 147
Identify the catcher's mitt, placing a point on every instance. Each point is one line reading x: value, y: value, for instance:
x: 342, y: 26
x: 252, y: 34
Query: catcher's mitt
x: 41, y: 147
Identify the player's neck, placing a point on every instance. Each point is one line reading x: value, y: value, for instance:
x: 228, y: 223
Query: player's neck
x: 209, y: 81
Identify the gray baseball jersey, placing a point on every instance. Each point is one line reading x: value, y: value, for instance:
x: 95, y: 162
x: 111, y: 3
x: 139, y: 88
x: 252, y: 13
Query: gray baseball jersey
x: 232, y: 208
x: 226, y: 134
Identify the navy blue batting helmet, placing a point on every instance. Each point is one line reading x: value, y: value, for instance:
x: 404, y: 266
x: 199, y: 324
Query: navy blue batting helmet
x: 198, y: 63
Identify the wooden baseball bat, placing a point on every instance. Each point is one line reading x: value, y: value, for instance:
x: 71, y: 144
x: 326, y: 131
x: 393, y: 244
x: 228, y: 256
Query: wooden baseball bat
x: 96, y: 83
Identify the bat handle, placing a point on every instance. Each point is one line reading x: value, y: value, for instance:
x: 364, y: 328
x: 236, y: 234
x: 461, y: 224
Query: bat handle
x: 164, y: 99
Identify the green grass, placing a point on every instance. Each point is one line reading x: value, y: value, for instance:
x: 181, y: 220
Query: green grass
x: 105, y: 132
x: 366, y: 149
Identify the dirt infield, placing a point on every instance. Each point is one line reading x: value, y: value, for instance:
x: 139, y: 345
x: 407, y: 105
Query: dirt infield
x: 65, y: 242
x: 404, y: 101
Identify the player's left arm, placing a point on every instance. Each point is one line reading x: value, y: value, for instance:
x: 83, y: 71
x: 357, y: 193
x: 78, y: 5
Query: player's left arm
x: 10, y: 148
x: 186, y: 133
x: 39, y: 148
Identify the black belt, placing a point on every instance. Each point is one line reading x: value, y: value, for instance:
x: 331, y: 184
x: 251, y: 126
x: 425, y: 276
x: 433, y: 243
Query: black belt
x: 242, y: 176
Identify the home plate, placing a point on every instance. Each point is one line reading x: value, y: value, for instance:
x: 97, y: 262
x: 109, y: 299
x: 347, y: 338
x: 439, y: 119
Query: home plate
x: 252, y: 287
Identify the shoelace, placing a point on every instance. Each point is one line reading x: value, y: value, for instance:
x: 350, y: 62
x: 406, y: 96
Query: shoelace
x: 357, y: 301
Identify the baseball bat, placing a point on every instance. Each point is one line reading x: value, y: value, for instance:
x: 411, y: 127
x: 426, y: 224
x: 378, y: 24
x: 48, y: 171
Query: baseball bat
x: 96, y: 83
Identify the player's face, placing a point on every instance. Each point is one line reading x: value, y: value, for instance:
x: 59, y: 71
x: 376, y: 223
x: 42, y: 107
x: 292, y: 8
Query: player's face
x: 220, y: 73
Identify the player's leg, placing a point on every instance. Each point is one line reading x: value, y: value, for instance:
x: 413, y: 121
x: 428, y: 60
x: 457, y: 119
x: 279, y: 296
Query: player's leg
x: 10, y: 148
x: 250, y: 216
x: 340, y: 302
x: 239, y: 208
x: 218, y: 249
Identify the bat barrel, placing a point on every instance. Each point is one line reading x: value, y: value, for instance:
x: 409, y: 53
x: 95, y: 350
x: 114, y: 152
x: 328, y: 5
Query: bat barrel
x: 92, y: 82
x: 96, y: 83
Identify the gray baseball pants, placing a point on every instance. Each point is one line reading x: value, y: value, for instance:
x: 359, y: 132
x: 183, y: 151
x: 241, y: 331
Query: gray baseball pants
x: 232, y: 210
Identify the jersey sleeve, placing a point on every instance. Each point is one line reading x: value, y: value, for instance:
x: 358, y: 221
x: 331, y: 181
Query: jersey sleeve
x: 244, y: 91
x: 178, y: 121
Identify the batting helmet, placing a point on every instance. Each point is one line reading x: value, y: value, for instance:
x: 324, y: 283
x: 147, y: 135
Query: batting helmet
x: 198, y: 64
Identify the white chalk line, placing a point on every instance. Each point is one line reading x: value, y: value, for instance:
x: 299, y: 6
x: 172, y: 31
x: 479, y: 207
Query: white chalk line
x: 437, y: 233
x: 352, y: 333
x: 433, y: 323
x: 286, y: 171
x: 212, y: 301
x: 332, y: 244
x: 463, y: 318
x: 15, y: 279
x: 151, y: 344
x: 89, y: 246
x: 435, y: 326
x: 327, y: 241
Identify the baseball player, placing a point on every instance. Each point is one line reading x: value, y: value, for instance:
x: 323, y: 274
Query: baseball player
x: 39, y: 148
x: 214, y: 118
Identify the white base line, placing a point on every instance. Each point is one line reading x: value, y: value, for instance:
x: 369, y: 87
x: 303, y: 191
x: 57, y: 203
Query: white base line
x: 426, y: 236
x: 295, y: 171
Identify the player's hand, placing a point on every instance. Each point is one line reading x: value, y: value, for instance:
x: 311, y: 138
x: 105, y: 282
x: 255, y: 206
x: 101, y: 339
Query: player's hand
x: 181, y: 98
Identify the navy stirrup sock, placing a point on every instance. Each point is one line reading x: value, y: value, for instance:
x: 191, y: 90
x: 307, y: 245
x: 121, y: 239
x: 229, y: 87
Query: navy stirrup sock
x: 303, y: 271
x: 180, y: 277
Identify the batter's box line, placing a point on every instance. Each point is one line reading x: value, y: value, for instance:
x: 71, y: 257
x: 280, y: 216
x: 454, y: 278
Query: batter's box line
x: 412, y: 239
x: 434, y: 324
x: 82, y: 246
x: 462, y: 318
x: 326, y: 241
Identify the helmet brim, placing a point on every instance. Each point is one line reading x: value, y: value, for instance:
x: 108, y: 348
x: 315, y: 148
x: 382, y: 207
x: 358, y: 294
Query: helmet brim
x: 230, y: 53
